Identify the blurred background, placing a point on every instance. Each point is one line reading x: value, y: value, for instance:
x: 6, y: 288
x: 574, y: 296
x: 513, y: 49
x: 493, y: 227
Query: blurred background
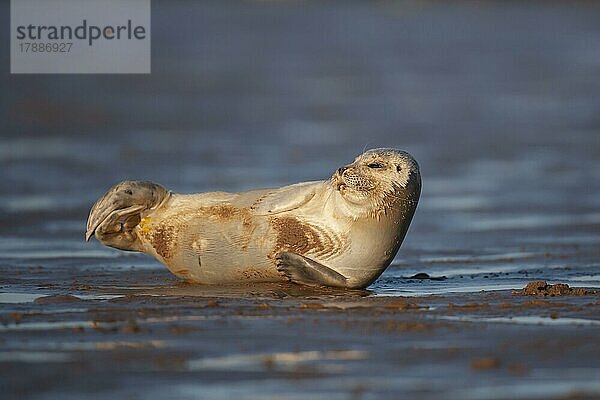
x: 498, y: 101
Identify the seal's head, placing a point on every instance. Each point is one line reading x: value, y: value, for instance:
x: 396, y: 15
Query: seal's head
x: 378, y: 181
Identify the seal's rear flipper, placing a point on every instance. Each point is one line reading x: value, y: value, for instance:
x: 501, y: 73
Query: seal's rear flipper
x: 300, y: 269
x: 114, y: 216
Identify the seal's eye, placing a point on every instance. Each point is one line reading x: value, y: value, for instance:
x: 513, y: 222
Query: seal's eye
x: 375, y: 165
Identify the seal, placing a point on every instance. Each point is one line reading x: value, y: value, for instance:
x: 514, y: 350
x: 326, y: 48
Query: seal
x: 341, y: 232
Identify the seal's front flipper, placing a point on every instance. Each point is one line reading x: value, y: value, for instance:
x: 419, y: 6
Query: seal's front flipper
x: 286, y: 198
x: 300, y: 269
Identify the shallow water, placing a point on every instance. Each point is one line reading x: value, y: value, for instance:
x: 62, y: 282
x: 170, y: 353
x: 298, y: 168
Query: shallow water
x: 498, y: 102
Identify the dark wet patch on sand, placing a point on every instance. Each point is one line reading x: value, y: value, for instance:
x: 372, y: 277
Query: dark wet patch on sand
x: 58, y: 299
x: 425, y: 276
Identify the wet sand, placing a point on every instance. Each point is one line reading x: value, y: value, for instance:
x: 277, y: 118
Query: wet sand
x: 143, y: 334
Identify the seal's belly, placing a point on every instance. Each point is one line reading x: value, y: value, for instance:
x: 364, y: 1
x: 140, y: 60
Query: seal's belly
x: 216, y: 244
x: 225, y: 244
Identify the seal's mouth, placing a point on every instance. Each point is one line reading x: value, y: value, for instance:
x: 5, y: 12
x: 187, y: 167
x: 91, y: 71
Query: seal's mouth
x: 338, y: 181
